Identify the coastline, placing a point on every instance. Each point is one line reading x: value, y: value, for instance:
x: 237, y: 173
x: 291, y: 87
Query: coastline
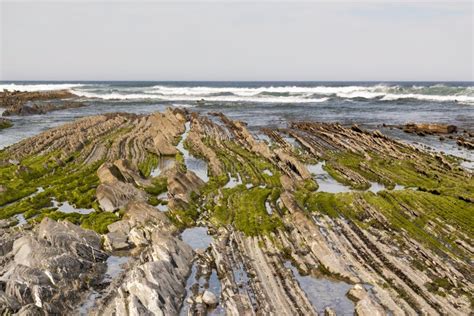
x: 275, y: 233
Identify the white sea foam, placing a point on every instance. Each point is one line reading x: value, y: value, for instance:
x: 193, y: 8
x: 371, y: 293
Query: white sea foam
x: 114, y: 95
x: 38, y: 87
x: 292, y: 94
x: 196, y: 97
x: 439, y: 98
x: 248, y: 92
x: 272, y: 94
x: 184, y: 105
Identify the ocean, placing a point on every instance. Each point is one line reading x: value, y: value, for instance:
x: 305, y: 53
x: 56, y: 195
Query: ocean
x: 368, y: 104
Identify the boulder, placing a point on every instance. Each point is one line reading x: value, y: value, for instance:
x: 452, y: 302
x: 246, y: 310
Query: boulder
x: 4, y: 123
x: 113, y: 196
x: 357, y: 292
x: 115, y: 241
x: 366, y: 307
x: 209, y: 298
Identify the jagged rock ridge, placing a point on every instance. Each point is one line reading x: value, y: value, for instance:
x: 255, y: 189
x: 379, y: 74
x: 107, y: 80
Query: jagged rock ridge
x: 275, y: 230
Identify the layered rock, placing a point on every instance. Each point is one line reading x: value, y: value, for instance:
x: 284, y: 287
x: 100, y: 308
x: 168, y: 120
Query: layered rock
x: 155, y: 284
x: 404, y: 249
x: 423, y: 129
x: 49, y: 267
x: 31, y: 103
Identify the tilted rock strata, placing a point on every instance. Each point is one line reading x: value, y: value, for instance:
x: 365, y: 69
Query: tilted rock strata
x: 403, y: 252
x: 33, y: 103
x: 49, y: 267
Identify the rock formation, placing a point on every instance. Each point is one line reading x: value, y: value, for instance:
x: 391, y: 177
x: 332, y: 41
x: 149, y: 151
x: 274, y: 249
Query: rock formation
x: 31, y: 103
x: 5, y: 123
x: 92, y: 223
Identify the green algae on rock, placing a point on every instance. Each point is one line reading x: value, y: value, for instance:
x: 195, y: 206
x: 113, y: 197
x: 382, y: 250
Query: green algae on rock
x: 408, y: 245
x: 4, y: 123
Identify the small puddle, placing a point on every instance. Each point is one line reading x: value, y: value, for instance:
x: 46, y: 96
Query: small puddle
x: 324, y: 293
x: 468, y: 165
x: 233, y: 182
x: 198, y: 166
x: 330, y: 185
x: 292, y: 141
x: 164, y: 163
x: 88, y: 304
x: 197, y: 237
x: 189, y: 283
x: 325, y: 181
x: 163, y: 196
x: 115, y: 265
x: 21, y: 220
x: 241, y: 278
x: 162, y: 207
x: 216, y: 288
x: 263, y: 137
x: 376, y: 187
x: 65, y: 207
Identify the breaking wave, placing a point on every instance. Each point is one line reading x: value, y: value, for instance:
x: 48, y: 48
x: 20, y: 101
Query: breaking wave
x: 38, y: 87
x: 208, y: 96
x: 304, y: 93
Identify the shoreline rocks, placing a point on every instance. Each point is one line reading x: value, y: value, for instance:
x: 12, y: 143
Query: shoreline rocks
x: 5, y: 123
x: 429, y: 128
x: 37, y: 109
x: 34, y: 103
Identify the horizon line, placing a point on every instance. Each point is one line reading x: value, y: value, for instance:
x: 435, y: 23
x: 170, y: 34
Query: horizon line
x: 228, y: 81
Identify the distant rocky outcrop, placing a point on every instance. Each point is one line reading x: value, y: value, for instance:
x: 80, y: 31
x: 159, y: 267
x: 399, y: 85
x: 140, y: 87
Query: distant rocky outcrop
x: 429, y: 128
x: 32, y: 103
x: 463, y: 139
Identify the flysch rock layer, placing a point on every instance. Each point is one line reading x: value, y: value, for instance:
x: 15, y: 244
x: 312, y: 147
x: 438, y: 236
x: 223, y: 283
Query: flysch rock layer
x: 76, y: 199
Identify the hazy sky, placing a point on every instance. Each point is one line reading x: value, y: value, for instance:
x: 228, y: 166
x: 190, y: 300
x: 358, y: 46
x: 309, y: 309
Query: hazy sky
x: 228, y: 40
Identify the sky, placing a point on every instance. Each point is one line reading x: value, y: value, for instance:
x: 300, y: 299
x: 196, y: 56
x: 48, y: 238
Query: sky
x: 237, y: 40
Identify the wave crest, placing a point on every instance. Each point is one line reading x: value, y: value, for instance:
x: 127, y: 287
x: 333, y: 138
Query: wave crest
x: 304, y: 93
x: 38, y: 87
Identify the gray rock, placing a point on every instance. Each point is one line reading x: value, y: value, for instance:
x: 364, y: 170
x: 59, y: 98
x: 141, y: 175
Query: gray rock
x: 50, y: 266
x: 116, y: 241
x: 357, y: 293
x: 209, y: 298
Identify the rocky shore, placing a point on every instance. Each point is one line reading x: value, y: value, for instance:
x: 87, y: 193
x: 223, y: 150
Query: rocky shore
x: 32, y: 103
x: 184, y: 213
x: 464, y: 138
x: 5, y: 123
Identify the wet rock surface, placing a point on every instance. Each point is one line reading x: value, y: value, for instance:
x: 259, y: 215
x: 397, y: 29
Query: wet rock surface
x: 46, y: 268
x: 430, y: 128
x: 463, y: 138
x: 290, y: 225
x: 33, y: 103
x: 5, y: 123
